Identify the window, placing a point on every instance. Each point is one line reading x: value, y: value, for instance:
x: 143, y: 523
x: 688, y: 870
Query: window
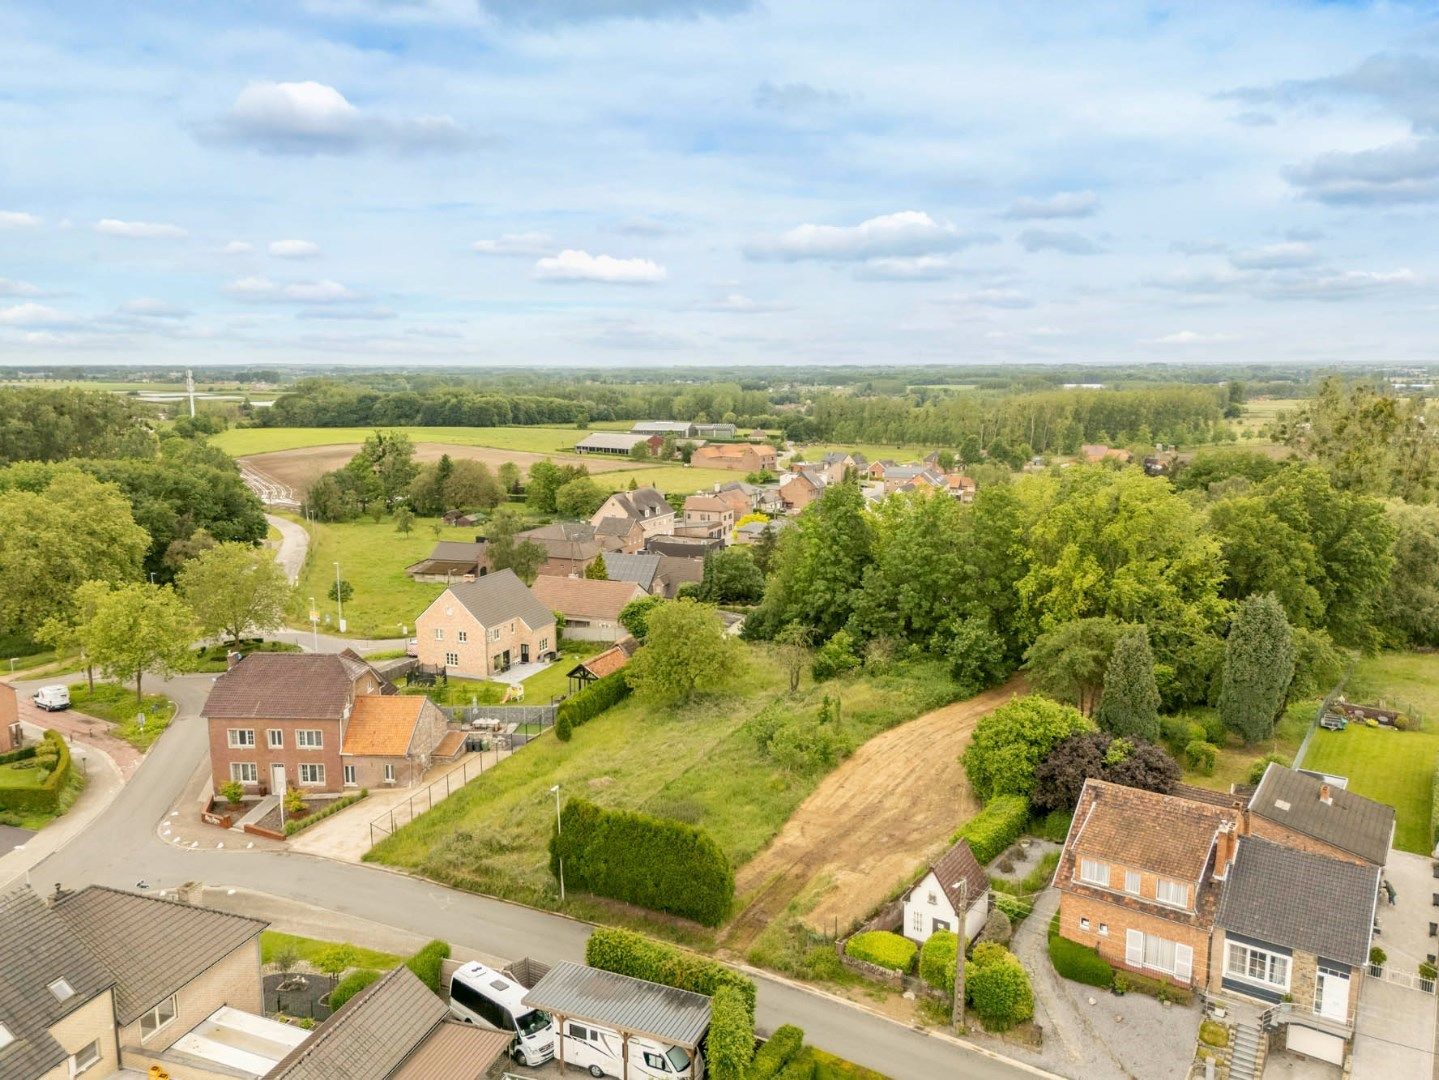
x: 933, y: 899
x: 574, y: 1031
x: 247, y: 772
x: 1094, y: 872
x: 62, y: 990
x: 1160, y: 954
x: 1250, y: 964
x: 439, y: 633
x: 276, y: 739
x: 917, y: 922
x: 1104, y: 929
x: 1084, y: 924
x: 656, y: 1062
x: 464, y: 636
x: 544, y: 644
x: 157, y: 1017
x: 5, y: 1037
x: 1174, y: 893
x: 487, y: 1008
x: 85, y: 1058
x: 495, y: 634
x: 241, y: 738
x: 310, y: 738
x: 452, y: 659
x: 350, y: 775
x: 312, y: 774
x: 389, y: 774
x: 1131, y: 882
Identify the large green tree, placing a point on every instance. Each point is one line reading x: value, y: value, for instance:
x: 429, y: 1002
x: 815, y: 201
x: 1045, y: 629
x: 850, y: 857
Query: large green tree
x: 1069, y: 662
x: 1258, y: 668
x: 1129, y: 705
x: 1009, y: 744
x: 233, y: 588
x: 545, y: 480
x: 507, y: 551
x: 730, y: 576
x: 1410, y: 611
x: 470, y: 485
x: 1264, y: 553
x: 579, y: 498
x: 916, y: 578
x: 686, y: 650
x: 384, y: 468
x: 138, y: 629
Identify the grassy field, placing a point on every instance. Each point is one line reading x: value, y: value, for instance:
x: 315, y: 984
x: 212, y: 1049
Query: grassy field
x: 116, y: 703
x: 670, y: 479
x: 239, y: 442
x: 20, y: 774
x: 1236, y: 759
x: 540, y: 689
x: 696, y: 764
x: 1394, y: 767
x: 308, y: 950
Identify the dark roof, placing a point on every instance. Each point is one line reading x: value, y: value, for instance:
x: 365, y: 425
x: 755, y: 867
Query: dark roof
x: 618, y: 1001
x: 645, y: 502
x: 455, y: 1051
x: 151, y: 945
x: 499, y: 597
x: 457, y: 551
x: 1348, y: 822
x: 1208, y: 795
x: 682, y: 545
x: 276, y: 686
x: 681, y: 568
x: 565, y: 532
x: 1300, y: 900
x: 641, y: 569
x: 371, y: 1035
x: 956, y: 865
x: 39, y: 947
x: 615, y: 526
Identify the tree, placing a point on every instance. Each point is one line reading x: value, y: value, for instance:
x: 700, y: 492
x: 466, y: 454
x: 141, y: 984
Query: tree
x: 686, y: 650
x: 762, y: 550
x: 1258, y: 668
x: 233, y: 588
x: 1410, y: 609
x: 976, y: 654
x: 1099, y: 755
x: 1263, y: 553
x: 1009, y: 744
x: 597, y: 571
x: 916, y: 576
x: 138, y: 629
x: 404, y: 521
x: 341, y: 591
x: 509, y: 476
x: 507, y: 552
x: 470, y: 485
x: 730, y: 576
x: 794, y: 647
x: 579, y: 498
x: 335, y: 960
x: 1069, y: 662
x: 384, y: 468
x: 635, y: 615
x: 1130, y: 702
x: 546, y: 479
x: 63, y: 632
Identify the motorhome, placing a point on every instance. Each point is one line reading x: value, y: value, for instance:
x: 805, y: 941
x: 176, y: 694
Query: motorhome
x: 479, y: 995
x: 600, y: 1050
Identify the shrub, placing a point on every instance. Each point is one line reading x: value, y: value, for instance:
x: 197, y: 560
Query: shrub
x: 563, y: 731
x: 22, y: 754
x: 594, y: 699
x: 44, y: 798
x: 1378, y: 957
x: 1010, y: 742
x: 654, y: 862
x: 1018, y: 910
x: 233, y: 792
x: 351, y: 985
x: 1257, y: 770
x: 1078, y: 962
x: 1428, y: 971
x: 294, y: 801
x: 835, y: 657
x: 1155, y: 988
x: 730, y: 1045
x: 997, y: 927
x: 995, y: 827
x: 998, y: 987
x: 801, y: 1067
x: 781, y: 1048
x: 936, y: 960
x: 1053, y: 826
x: 1213, y: 1033
x: 1403, y: 723
x: 802, y: 745
x: 294, y: 825
x: 632, y: 954
x: 426, y: 963
x: 883, y: 949
x: 1201, y: 756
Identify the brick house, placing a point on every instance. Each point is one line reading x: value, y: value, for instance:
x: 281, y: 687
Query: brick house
x: 798, y: 491
x: 477, y: 629
x: 591, y: 608
x: 391, y: 740
x: 708, y: 515
x: 1301, y: 810
x: 742, y: 457
x: 10, y: 734
x: 645, y: 505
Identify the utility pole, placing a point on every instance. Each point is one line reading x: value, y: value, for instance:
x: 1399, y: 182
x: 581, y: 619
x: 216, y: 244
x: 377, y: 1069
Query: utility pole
x: 957, y: 1015
x: 559, y: 831
x: 339, y: 601
x: 190, y: 390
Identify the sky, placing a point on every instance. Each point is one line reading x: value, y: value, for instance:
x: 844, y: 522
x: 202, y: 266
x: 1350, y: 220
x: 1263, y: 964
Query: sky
x: 721, y: 182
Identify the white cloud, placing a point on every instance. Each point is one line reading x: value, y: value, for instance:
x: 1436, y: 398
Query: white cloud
x: 36, y: 315
x: 739, y: 304
x: 147, y: 307
x: 16, y: 219
x: 1401, y: 172
x: 571, y: 265
x: 369, y: 314
x: 139, y: 230
x: 527, y: 244
x: 917, y: 268
x: 906, y: 234
x: 996, y: 298
x: 1187, y: 337
x: 11, y: 287
x: 294, y: 249
x: 1339, y: 286
x: 262, y: 289
x: 1065, y: 204
x: 237, y: 247
x: 311, y: 117
x: 1070, y: 243
x: 1275, y: 257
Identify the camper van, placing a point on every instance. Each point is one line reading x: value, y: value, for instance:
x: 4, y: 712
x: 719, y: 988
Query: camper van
x: 599, y: 1049
x: 481, y: 996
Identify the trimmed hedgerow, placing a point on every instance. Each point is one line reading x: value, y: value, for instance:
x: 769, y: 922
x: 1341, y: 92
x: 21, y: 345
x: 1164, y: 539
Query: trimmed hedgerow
x: 628, y: 953
x: 936, y: 960
x: 657, y: 863
x: 294, y: 825
x: 781, y: 1048
x: 44, y: 797
x: 994, y: 828
x: 882, y: 948
x: 351, y: 985
x: 1078, y: 962
x: 426, y: 963
x: 588, y: 703
x: 729, y: 1047
x: 21, y: 754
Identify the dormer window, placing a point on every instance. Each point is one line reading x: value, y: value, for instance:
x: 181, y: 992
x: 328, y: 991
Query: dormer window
x: 62, y: 990
x: 1094, y: 872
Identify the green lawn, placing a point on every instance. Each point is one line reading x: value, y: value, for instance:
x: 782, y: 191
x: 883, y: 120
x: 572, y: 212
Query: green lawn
x: 695, y: 763
x: 670, y: 479
x: 16, y: 775
x: 309, y: 950
x: 116, y: 703
x: 239, y: 442
x: 459, y: 692
x: 1236, y: 759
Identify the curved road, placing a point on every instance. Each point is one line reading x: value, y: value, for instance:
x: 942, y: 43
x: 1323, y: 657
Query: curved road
x: 121, y: 848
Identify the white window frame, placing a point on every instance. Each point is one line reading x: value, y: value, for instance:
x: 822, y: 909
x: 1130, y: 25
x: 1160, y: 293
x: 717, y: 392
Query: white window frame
x: 464, y: 636
x: 452, y: 659
x: 1137, y: 954
x: 439, y: 633
x: 160, y: 1025
x: 389, y: 772
x: 238, y: 769
x: 349, y: 771
x: 61, y: 989
x: 1246, y: 956
x: 495, y: 634
x: 316, y: 771
x: 544, y: 644
x: 1094, y: 872
x: 309, y: 738
x: 97, y: 1054
x: 1133, y: 882
x: 917, y: 923
x: 275, y: 738
x: 1178, y: 893
x: 237, y: 738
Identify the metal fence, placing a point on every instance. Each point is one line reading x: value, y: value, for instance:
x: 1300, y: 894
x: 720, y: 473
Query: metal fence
x: 540, y: 716
x: 438, y: 791
x: 1402, y: 978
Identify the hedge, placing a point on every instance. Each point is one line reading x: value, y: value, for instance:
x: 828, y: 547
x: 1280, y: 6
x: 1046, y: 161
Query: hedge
x: 351, y: 985
x: 294, y: 825
x: 657, y: 863
x: 781, y: 1048
x: 594, y: 699
x: 1018, y: 910
x: 45, y: 797
x: 1125, y: 981
x: 882, y: 948
x: 729, y: 1047
x: 628, y: 953
x: 936, y: 960
x: 1078, y: 962
x: 994, y: 828
x: 24, y: 753
x: 426, y: 963
x: 998, y: 987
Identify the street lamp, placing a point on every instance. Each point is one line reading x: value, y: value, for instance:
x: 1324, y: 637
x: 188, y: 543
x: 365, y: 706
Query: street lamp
x: 339, y: 601
x: 13, y: 659
x: 559, y: 831
x: 314, y: 626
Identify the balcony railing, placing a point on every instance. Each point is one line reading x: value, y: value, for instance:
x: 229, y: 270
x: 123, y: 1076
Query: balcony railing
x: 1289, y: 1012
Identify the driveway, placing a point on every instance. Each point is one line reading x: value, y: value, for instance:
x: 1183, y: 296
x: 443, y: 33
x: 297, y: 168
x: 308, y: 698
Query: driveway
x: 294, y: 546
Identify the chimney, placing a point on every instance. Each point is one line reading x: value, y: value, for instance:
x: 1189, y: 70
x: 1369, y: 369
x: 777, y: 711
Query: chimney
x: 1225, y: 843
x: 1324, y: 796
x: 1244, y: 820
x: 233, y: 658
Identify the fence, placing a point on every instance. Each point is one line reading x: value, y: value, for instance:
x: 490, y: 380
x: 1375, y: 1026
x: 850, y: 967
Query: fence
x: 530, y: 721
x: 438, y: 791
x: 1402, y: 978
x: 1319, y: 714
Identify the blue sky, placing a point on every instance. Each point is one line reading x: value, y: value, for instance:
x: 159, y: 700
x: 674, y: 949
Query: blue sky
x: 591, y: 182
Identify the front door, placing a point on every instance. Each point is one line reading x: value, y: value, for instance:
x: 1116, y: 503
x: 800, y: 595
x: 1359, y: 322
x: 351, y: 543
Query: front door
x: 940, y: 924
x: 277, y: 780
x: 1331, y: 994
x: 524, y: 654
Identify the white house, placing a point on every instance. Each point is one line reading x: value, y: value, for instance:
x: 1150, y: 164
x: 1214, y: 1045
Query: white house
x: 933, y: 904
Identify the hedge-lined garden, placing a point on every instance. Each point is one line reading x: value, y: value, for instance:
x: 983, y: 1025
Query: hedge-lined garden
x: 657, y: 863
x: 50, y: 759
x: 1078, y: 962
x: 993, y: 829
x: 294, y: 825
x: 584, y: 706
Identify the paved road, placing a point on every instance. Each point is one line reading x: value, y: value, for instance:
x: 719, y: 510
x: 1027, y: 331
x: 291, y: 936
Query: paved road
x: 121, y: 849
x: 294, y: 544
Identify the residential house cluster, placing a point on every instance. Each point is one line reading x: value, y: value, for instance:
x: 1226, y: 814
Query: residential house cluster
x: 1272, y: 897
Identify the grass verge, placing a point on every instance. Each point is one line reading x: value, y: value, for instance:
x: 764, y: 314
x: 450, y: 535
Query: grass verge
x: 116, y: 703
x: 309, y: 949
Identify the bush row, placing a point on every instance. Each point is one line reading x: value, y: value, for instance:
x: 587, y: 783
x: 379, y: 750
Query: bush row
x: 883, y: 949
x: 994, y: 828
x: 729, y: 1046
x: 778, y: 1051
x: 22, y: 754
x: 45, y: 797
x: 351, y: 985
x: 1125, y: 981
x: 632, y: 954
x: 426, y: 963
x: 584, y: 706
x: 294, y: 825
x: 1078, y: 962
x: 657, y: 863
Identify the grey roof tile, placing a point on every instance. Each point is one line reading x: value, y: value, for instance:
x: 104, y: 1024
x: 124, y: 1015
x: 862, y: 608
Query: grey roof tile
x: 303, y: 686
x: 499, y: 597
x: 641, y: 569
x: 1348, y: 822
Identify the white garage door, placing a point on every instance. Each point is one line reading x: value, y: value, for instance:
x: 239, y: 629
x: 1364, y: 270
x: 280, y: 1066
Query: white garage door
x: 1317, y: 1044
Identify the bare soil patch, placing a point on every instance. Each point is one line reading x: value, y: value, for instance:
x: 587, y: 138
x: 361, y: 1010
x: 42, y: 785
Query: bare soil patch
x: 894, y: 803
x: 298, y: 469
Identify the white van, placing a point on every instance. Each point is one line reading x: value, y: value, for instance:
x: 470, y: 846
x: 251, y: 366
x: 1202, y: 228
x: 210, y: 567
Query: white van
x: 481, y: 996
x: 599, y: 1049
x: 53, y: 698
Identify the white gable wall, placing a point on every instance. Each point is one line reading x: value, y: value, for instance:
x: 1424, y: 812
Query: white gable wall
x: 920, y: 913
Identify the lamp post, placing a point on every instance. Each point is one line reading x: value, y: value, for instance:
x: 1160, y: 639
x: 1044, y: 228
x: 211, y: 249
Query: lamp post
x: 559, y: 831
x: 339, y: 601
x: 314, y: 626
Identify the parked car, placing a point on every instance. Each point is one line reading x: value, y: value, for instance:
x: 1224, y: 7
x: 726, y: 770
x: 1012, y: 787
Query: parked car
x: 481, y: 996
x: 412, y: 647
x: 53, y: 698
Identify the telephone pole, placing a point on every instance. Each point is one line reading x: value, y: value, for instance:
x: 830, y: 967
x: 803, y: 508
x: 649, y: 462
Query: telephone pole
x: 190, y: 390
x: 957, y: 1015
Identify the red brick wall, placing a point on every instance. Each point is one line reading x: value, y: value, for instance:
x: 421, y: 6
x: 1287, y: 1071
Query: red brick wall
x: 222, y: 754
x: 9, y: 715
x: 1119, y: 919
x: 1259, y: 826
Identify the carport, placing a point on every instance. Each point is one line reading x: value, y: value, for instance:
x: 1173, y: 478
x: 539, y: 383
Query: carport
x: 631, y: 1007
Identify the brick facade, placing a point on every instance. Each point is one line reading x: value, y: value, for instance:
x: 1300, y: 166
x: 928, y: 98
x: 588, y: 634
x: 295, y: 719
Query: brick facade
x: 234, y: 981
x: 1269, y: 830
x: 1119, y: 919
x: 438, y: 633
x: 9, y: 718
x: 288, y: 754
x: 92, y: 1022
x: 410, y: 769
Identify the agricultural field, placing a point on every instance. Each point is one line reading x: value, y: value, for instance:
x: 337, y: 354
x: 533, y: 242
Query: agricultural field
x: 241, y: 442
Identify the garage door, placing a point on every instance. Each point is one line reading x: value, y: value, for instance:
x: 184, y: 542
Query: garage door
x: 1317, y: 1044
